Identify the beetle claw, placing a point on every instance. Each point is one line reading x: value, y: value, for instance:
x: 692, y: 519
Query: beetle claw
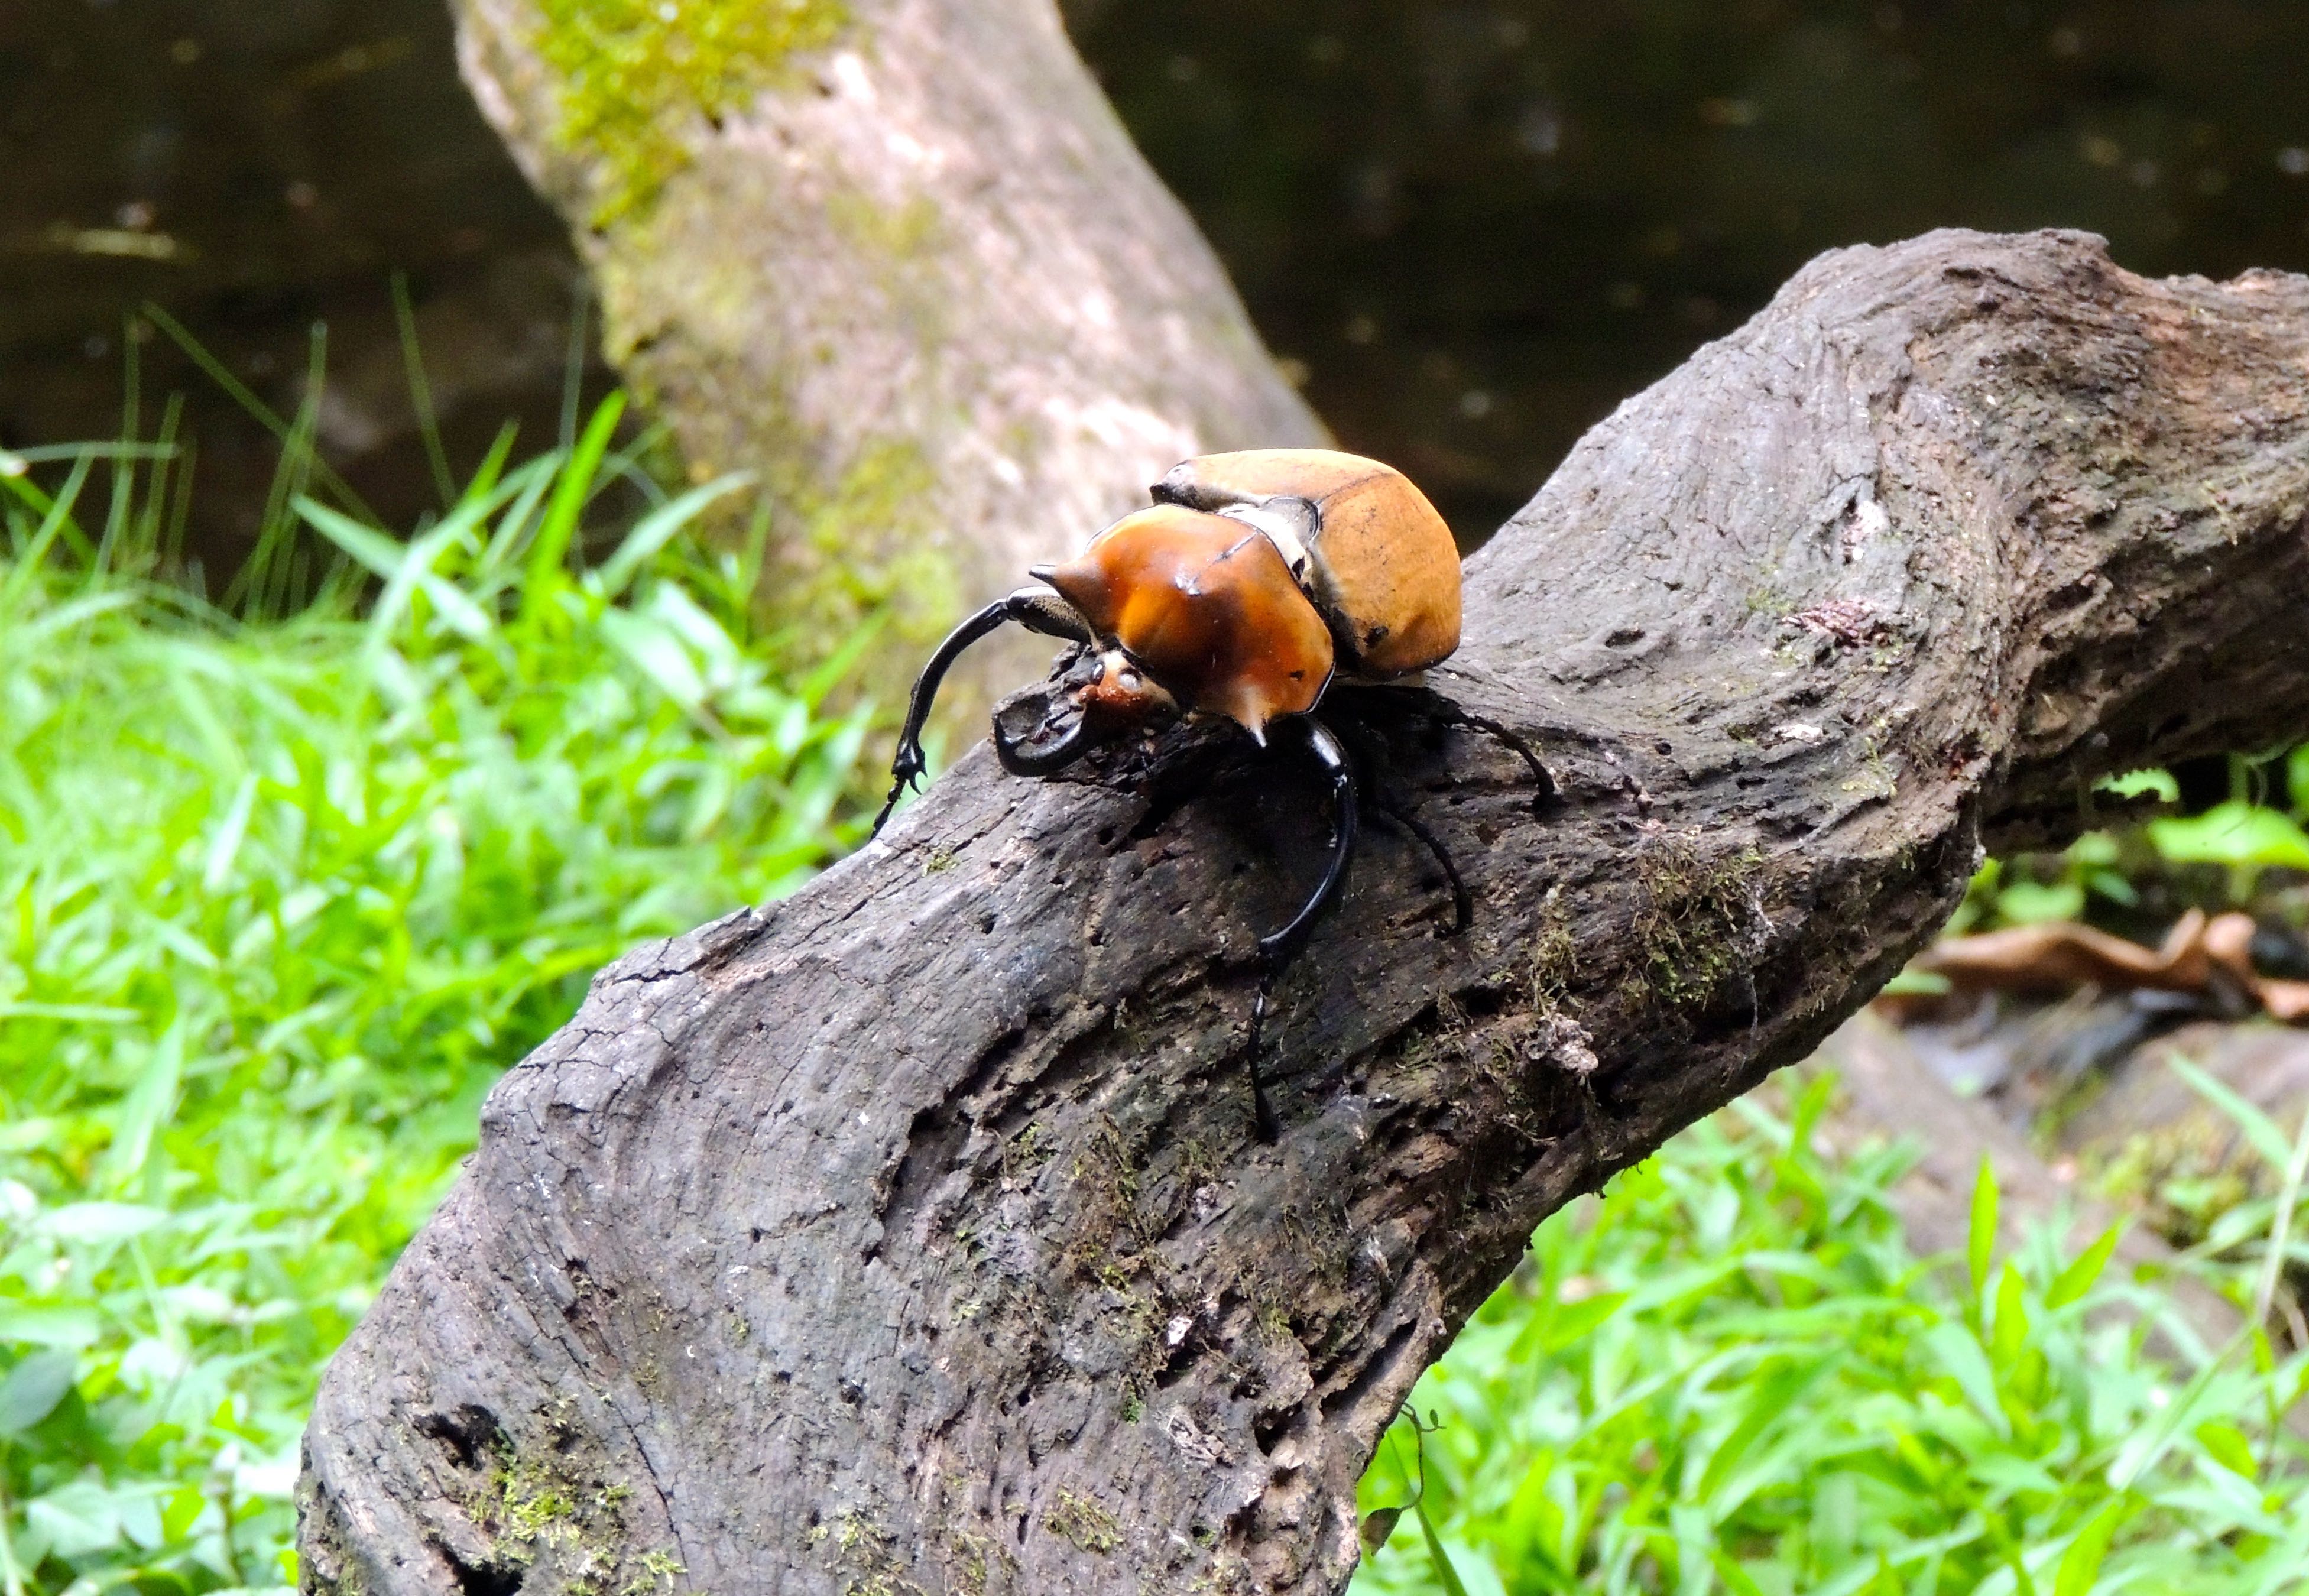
x: 906, y: 770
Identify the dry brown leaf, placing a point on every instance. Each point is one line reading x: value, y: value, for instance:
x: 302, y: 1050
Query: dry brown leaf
x: 2059, y: 956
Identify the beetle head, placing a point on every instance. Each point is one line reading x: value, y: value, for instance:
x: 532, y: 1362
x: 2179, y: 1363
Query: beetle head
x: 1097, y: 697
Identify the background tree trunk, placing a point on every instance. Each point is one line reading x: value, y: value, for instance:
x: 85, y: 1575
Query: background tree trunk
x: 910, y: 1234
x: 897, y: 256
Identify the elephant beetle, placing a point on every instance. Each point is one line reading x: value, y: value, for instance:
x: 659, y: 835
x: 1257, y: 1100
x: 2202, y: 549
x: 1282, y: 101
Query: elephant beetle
x: 1256, y: 584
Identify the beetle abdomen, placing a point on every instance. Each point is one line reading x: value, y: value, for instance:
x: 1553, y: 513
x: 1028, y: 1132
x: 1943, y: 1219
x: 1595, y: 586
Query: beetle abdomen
x: 1383, y: 571
x: 1207, y: 607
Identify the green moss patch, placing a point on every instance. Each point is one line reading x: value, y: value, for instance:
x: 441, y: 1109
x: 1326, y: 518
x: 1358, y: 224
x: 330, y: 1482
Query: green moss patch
x: 1084, y: 1522
x: 637, y: 76
x: 1694, y: 919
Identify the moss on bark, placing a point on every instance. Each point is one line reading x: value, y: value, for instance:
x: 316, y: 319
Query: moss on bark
x: 637, y: 77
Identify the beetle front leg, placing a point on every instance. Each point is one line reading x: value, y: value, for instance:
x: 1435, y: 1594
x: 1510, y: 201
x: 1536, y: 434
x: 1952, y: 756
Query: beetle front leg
x: 1037, y: 608
x: 1277, y: 949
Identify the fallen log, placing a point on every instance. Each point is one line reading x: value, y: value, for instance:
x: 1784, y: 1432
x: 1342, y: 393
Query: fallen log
x: 913, y: 1234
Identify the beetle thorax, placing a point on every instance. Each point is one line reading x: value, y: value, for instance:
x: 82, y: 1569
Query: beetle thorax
x: 1204, y: 608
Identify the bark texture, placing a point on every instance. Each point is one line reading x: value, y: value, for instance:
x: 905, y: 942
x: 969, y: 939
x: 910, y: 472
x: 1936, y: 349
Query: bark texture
x: 911, y: 269
x: 909, y: 1234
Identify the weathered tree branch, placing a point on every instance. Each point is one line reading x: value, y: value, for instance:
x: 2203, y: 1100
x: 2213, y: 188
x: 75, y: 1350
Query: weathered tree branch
x: 910, y: 1234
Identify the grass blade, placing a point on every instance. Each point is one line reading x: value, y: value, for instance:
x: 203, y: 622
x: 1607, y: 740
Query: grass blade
x: 2079, y: 1566
x: 493, y: 463
x: 2079, y: 1276
x: 571, y: 492
x: 2271, y: 1143
x: 420, y: 390
x: 52, y: 526
x: 21, y: 485
x: 260, y: 587
x: 660, y: 527
x: 1980, y: 1239
x: 1779, y: 1392
x: 124, y: 469
x: 2281, y: 1227
x: 150, y: 1104
x: 1447, y: 1573
x: 407, y: 569
x: 151, y: 524
x: 242, y: 395
x: 573, y: 368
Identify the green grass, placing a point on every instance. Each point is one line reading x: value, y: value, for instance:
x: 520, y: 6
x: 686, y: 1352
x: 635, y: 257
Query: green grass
x: 2225, y: 857
x: 282, y: 891
x: 1729, y: 1373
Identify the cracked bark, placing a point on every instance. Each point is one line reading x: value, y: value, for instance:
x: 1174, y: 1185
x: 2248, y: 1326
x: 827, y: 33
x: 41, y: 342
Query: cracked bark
x: 909, y: 1234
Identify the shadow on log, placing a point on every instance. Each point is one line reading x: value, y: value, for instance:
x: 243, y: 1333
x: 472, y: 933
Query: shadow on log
x: 910, y: 1234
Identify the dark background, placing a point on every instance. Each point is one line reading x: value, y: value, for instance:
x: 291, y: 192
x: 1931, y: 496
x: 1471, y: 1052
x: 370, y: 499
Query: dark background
x: 1479, y: 227
x: 260, y: 168
x: 1475, y: 229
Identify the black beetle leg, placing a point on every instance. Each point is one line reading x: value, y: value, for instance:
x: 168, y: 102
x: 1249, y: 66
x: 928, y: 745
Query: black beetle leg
x: 1463, y: 907
x: 1277, y: 949
x: 1036, y: 608
x: 1270, y: 1127
x: 1375, y: 775
x: 1452, y: 714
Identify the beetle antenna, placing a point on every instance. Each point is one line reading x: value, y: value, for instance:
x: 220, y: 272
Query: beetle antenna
x: 1036, y: 608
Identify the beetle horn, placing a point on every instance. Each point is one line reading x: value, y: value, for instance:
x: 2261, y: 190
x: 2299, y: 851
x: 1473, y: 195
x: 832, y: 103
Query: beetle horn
x: 1097, y: 698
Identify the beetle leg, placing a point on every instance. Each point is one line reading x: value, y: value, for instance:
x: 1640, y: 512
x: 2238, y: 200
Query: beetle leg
x: 1463, y: 907
x: 1270, y: 1128
x: 1037, y: 608
x: 1443, y: 710
x: 1376, y: 772
x: 1277, y: 949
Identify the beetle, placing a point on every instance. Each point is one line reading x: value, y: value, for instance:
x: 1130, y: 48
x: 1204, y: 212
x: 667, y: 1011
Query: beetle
x: 1258, y: 584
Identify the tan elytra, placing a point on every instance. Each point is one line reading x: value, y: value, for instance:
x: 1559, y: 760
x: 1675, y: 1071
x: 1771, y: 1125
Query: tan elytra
x: 1381, y: 567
